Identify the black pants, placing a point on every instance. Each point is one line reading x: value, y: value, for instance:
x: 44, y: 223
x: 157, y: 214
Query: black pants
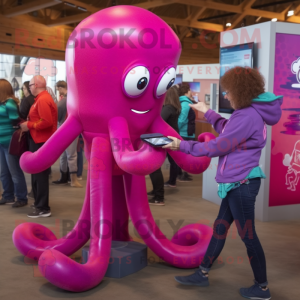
x: 173, y: 170
x: 158, y: 184
x: 40, y: 182
x: 180, y: 173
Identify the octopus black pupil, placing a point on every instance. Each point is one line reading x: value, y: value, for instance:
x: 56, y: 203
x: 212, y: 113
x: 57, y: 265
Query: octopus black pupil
x: 170, y: 83
x: 142, y: 83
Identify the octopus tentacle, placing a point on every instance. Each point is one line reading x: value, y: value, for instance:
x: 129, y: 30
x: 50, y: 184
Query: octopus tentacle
x: 33, y: 239
x: 141, y: 162
x: 59, y: 269
x: 188, y: 245
x: 189, y: 163
x: 41, y: 160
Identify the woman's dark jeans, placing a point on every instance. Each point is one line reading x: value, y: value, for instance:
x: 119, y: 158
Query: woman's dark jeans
x: 238, y: 206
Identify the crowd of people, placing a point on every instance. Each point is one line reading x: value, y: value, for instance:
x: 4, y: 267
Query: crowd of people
x: 38, y: 116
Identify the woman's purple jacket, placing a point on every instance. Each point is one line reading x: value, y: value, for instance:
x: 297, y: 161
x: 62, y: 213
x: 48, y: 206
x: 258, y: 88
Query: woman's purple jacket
x: 241, y: 139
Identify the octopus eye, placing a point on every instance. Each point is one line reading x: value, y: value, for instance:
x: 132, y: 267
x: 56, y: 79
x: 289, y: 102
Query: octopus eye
x: 166, y: 82
x: 136, y: 81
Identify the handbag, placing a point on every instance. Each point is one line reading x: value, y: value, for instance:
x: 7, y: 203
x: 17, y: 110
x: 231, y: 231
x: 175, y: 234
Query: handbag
x: 18, y: 143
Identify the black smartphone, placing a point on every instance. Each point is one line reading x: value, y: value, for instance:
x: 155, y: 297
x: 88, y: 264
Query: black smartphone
x: 156, y: 139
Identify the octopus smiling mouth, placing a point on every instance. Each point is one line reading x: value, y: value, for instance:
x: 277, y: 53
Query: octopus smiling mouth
x: 140, y: 112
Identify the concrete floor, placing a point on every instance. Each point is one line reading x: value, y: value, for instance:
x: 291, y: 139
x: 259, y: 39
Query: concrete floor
x: 281, y: 242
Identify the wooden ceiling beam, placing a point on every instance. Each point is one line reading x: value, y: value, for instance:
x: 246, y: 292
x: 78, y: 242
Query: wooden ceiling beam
x: 183, y: 33
x: 29, y: 7
x: 246, y: 5
x: 198, y: 25
x: 155, y: 3
x: 196, y: 14
x: 212, y: 5
x: 67, y: 20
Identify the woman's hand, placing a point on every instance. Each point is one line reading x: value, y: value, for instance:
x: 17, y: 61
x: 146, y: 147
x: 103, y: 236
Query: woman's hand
x: 24, y: 126
x: 174, y: 145
x: 200, y: 106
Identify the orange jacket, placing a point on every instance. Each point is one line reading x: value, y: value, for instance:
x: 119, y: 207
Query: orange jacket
x: 42, y: 118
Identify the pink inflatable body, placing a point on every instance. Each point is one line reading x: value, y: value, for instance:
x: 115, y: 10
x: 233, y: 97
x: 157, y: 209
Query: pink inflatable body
x: 120, y: 62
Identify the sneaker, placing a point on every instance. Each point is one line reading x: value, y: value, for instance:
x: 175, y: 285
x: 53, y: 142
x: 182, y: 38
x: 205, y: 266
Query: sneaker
x: 79, y: 178
x: 32, y: 206
x: 3, y: 201
x: 167, y: 184
x: 198, y: 279
x: 155, y: 201
x: 255, y: 292
x: 38, y: 213
x: 151, y: 193
x: 184, y: 179
x: 30, y: 194
x: 19, y: 204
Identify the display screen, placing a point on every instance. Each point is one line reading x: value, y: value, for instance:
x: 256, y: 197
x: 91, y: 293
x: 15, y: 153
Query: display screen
x: 159, y: 141
x: 230, y: 57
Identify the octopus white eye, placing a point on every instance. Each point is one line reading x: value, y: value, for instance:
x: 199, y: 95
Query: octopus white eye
x: 136, y: 81
x: 166, y: 82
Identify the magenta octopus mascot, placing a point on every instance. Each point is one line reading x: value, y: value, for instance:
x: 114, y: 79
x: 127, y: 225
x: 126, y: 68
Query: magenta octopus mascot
x: 120, y: 62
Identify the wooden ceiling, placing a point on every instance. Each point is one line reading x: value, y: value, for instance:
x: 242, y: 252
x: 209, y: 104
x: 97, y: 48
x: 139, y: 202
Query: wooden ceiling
x: 188, y: 18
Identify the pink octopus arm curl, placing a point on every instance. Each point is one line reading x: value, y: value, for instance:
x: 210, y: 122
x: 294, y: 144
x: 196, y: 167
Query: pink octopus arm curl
x: 141, y: 162
x: 189, y: 163
x: 33, y: 239
x: 187, y: 247
x: 46, y: 156
x: 59, y: 269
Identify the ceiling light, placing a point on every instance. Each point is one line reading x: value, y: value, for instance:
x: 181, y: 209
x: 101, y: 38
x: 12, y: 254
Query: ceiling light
x: 81, y: 8
x: 290, y: 13
x: 70, y: 4
x: 274, y: 20
x: 228, y: 24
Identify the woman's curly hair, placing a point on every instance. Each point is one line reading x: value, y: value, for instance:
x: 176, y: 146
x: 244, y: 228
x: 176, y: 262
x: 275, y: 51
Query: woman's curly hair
x: 243, y: 85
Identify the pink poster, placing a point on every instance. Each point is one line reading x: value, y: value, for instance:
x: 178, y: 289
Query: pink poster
x: 285, y: 153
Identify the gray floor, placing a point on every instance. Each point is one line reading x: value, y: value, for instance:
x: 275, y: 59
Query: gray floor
x: 281, y: 242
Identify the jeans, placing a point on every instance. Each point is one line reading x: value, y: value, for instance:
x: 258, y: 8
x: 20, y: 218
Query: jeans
x: 69, y: 158
x: 238, y: 206
x: 40, y: 182
x: 80, y: 156
x: 12, y: 176
x: 158, y: 184
x: 173, y: 170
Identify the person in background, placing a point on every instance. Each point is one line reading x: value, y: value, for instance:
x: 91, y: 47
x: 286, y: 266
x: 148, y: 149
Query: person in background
x: 26, y: 102
x: 50, y: 91
x: 41, y: 124
x: 237, y: 186
x: 169, y: 113
x: 186, y: 122
x: 80, y: 147
x: 25, y: 106
x: 69, y: 156
x: 11, y: 175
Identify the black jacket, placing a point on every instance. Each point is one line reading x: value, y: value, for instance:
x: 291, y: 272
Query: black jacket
x: 25, y: 106
x: 170, y: 116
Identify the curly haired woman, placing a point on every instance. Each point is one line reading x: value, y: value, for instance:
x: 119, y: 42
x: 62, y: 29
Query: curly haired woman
x: 239, y: 145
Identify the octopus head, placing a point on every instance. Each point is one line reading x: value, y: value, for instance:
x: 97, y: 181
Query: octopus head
x: 120, y: 62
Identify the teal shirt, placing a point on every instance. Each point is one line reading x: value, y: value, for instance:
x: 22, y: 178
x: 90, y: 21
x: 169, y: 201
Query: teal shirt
x: 8, y: 113
x: 224, y: 188
x: 183, y: 117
